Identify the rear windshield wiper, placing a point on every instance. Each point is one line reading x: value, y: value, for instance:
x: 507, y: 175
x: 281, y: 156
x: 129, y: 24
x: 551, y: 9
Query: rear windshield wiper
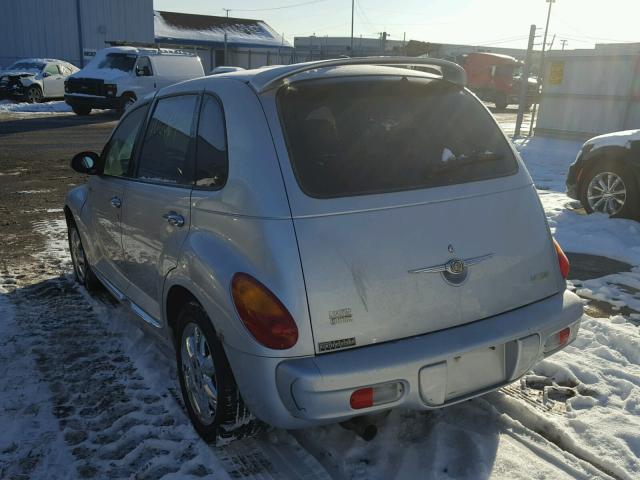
x: 449, y: 160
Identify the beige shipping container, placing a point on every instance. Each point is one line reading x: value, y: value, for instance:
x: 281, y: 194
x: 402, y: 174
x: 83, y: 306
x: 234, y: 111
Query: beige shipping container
x: 590, y: 92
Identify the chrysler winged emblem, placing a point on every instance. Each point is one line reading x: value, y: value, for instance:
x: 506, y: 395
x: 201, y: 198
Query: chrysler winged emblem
x: 454, y: 271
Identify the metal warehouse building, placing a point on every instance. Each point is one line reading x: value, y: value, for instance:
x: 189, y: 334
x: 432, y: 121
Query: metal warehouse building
x: 70, y: 30
x: 243, y: 42
x: 73, y: 30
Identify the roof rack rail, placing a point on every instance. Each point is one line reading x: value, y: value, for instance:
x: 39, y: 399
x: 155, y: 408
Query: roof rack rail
x: 451, y: 72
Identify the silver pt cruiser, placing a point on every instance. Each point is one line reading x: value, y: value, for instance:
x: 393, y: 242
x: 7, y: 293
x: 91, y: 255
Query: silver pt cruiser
x: 324, y: 240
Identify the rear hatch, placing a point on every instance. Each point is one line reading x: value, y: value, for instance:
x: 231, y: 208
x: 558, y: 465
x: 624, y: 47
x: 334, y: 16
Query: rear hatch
x: 393, y: 182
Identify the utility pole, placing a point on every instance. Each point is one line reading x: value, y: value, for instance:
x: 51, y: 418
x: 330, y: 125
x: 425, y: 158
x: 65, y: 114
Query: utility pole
x: 225, y: 37
x: 353, y: 3
x: 544, y: 40
x: 225, y: 48
x: 553, y: 40
x: 544, y: 47
x: 524, y: 81
x: 564, y: 43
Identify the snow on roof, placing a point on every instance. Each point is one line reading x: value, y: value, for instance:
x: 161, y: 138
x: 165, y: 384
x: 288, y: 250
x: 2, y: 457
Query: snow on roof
x: 40, y: 60
x: 210, y: 29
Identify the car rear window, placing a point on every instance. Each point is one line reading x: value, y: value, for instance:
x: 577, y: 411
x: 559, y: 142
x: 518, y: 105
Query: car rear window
x: 366, y: 136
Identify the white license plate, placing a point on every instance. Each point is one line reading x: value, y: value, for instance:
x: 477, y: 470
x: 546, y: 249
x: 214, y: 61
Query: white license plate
x: 474, y: 371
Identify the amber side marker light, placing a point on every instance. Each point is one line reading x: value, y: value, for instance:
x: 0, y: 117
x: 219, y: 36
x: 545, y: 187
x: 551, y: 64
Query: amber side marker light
x: 262, y: 313
x: 563, y: 261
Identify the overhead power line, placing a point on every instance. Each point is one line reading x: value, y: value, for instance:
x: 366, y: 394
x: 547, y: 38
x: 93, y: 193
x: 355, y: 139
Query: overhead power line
x: 310, y: 2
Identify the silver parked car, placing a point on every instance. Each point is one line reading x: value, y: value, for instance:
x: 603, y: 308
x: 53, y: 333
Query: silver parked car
x: 35, y: 79
x: 324, y: 240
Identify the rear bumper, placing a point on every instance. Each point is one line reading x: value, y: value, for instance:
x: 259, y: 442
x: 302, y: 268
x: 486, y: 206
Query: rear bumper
x: 92, y: 101
x: 307, y: 391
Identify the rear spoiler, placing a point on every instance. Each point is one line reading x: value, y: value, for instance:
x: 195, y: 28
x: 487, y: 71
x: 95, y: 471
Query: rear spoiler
x: 450, y: 72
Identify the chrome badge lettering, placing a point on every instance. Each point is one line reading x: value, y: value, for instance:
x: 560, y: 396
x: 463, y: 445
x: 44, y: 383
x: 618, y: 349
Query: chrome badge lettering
x: 338, y: 317
x: 337, y: 344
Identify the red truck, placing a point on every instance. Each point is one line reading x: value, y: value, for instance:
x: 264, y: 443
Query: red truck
x: 496, y: 78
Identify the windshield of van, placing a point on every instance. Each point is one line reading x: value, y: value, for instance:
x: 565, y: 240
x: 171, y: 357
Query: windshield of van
x: 118, y: 61
x: 367, y: 136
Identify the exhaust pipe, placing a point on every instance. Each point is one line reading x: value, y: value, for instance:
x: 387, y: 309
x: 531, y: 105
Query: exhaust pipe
x: 361, y: 427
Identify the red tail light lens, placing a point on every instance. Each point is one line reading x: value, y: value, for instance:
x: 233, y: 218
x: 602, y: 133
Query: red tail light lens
x: 563, y: 261
x: 362, y: 398
x: 262, y: 313
x: 377, y: 395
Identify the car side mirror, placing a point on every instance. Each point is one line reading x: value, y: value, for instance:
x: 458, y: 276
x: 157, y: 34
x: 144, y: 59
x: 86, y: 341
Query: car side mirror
x: 85, y: 162
x: 45, y: 74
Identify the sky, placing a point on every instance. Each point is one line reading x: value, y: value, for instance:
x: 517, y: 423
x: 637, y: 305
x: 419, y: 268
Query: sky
x: 503, y: 23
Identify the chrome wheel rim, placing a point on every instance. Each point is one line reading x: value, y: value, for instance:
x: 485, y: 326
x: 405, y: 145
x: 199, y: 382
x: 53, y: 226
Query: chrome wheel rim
x: 198, y: 373
x: 78, y: 257
x: 606, y: 193
x: 128, y: 103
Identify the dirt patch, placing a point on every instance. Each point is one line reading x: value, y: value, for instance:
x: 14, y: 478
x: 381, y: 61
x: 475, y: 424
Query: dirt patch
x: 35, y: 176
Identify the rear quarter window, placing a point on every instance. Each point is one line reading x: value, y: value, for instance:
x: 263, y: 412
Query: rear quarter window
x: 368, y: 136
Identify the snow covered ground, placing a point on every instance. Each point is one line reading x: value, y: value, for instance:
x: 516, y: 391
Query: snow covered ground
x: 58, y: 106
x: 83, y: 393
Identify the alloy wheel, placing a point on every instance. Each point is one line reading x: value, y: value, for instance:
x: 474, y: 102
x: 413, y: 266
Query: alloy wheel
x: 78, y: 257
x: 606, y: 193
x: 34, y: 95
x: 199, y: 374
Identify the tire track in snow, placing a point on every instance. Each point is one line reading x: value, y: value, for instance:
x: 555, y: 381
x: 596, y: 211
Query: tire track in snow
x: 114, y: 392
x: 113, y: 422
x: 519, y: 414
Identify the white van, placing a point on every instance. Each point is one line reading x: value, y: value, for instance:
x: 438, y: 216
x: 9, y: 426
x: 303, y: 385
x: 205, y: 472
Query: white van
x: 118, y: 76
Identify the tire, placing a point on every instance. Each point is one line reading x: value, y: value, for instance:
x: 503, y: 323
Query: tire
x: 615, y: 177
x: 226, y: 418
x: 81, y: 268
x: 500, y: 101
x: 34, y: 94
x: 81, y: 110
x: 127, y: 100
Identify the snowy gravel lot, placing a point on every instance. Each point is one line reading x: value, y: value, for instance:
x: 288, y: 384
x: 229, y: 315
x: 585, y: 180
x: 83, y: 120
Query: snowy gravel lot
x: 85, y: 394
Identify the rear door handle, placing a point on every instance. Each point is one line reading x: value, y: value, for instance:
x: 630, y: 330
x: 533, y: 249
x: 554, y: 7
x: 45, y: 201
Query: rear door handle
x: 174, y: 219
x: 116, y: 202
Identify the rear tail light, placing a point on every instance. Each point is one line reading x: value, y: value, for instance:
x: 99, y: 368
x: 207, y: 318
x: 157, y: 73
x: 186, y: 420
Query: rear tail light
x: 559, y: 339
x: 377, y: 395
x: 563, y: 261
x: 262, y: 313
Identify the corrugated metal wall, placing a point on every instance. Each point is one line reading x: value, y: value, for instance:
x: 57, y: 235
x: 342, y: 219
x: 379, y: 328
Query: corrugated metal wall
x: 47, y: 28
x: 247, y: 58
x: 587, y: 93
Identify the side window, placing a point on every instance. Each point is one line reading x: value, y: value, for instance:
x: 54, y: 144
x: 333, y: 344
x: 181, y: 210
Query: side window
x: 117, y: 154
x: 166, y: 150
x: 64, y: 70
x: 52, y: 69
x: 212, y: 165
x: 143, y: 67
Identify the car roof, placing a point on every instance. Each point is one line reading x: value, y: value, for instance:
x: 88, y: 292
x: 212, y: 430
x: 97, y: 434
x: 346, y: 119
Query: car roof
x: 146, y: 51
x: 40, y: 60
x: 262, y: 79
